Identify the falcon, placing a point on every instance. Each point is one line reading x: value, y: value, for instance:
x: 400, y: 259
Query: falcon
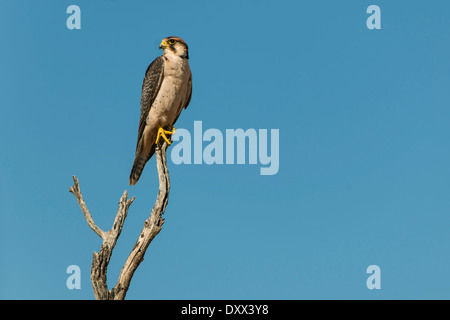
x: 166, y: 91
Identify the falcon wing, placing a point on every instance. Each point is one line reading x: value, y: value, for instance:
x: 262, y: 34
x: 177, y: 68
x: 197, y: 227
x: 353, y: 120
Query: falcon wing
x: 150, y: 88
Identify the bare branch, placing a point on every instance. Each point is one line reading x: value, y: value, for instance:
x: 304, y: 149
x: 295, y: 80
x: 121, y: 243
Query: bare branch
x: 100, y: 260
x: 152, y: 226
x: 75, y: 189
x: 121, y: 215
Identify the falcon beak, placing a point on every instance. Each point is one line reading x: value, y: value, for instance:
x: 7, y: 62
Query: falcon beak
x: 163, y: 45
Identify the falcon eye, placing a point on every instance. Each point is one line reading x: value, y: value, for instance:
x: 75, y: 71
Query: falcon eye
x: 171, y: 41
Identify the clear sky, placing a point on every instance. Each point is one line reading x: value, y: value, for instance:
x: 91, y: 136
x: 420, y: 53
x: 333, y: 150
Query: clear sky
x: 363, y: 120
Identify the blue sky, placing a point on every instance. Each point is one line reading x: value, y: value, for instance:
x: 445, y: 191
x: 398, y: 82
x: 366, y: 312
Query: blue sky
x: 364, y: 148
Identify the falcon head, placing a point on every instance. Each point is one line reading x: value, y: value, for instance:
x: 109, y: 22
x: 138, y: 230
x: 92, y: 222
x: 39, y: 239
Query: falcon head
x: 175, y: 45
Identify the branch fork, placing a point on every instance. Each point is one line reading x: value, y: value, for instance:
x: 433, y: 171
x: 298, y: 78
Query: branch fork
x: 152, y: 226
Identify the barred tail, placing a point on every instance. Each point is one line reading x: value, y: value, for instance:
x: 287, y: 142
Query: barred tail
x: 138, y: 166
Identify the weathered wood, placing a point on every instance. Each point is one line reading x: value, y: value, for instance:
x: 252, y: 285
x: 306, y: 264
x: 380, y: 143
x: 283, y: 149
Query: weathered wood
x: 152, y: 226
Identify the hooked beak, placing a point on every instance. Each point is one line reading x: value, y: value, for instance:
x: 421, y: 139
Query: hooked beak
x: 163, y: 45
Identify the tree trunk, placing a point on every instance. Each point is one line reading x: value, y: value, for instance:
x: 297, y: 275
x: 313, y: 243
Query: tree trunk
x: 152, y: 226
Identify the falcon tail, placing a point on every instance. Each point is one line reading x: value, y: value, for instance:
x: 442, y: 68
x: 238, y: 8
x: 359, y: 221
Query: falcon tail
x: 138, y: 166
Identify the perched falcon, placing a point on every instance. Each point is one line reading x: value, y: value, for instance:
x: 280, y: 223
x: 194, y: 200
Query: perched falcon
x: 166, y: 90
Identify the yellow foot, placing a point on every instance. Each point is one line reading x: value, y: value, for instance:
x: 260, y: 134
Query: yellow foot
x: 162, y: 133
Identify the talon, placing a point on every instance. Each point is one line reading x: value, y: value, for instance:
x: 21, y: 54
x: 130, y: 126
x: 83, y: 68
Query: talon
x: 162, y: 133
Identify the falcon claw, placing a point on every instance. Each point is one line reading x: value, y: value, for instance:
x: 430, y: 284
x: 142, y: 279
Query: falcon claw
x: 162, y: 133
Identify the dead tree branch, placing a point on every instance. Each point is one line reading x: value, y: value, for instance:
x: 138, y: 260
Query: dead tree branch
x: 152, y: 226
